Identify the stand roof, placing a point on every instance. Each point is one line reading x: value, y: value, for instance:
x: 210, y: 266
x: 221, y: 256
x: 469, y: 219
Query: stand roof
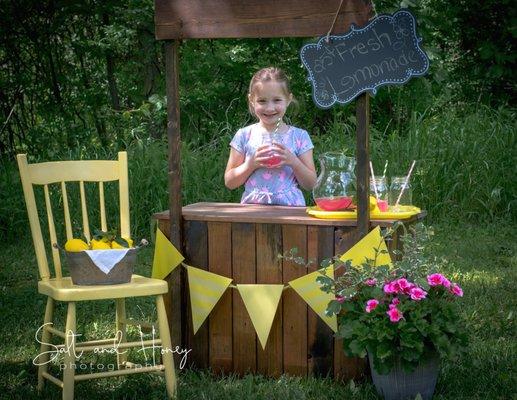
x: 212, y: 19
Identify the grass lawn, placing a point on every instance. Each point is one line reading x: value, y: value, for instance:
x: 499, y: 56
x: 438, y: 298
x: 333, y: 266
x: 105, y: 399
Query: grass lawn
x: 483, y: 260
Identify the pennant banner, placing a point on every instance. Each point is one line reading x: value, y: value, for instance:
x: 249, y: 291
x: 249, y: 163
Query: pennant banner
x: 309, y: 290
x: 206, y: 288
x: 166, y: 256
x: 365, y: 248
x: 261, y: 301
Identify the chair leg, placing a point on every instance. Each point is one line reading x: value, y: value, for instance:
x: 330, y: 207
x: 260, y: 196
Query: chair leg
x: 69, y: 358
x: 167, y: 355
x: 43, y: 359
x: 120, y: 317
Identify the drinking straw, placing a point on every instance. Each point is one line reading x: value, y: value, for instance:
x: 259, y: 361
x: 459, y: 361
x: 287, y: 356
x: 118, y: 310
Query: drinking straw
x: 374, y: 185
x: 277, y: 126
x: 405, y: 183
x: 385, y: 168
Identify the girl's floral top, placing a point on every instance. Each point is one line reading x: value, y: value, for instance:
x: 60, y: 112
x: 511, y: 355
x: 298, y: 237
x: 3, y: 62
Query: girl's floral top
x: 272, y: 185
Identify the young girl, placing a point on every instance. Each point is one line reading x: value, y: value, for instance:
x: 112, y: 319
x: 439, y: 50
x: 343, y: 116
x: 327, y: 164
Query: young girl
x: 270, y: 173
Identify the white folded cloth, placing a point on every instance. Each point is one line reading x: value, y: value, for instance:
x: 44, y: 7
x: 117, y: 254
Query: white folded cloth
x: 106, y: 259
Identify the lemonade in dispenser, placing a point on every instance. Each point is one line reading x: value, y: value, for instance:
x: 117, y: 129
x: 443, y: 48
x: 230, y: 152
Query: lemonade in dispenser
x: 335, y: 188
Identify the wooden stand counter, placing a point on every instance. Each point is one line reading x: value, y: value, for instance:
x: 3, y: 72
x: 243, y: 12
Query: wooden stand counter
x: 243, y: 242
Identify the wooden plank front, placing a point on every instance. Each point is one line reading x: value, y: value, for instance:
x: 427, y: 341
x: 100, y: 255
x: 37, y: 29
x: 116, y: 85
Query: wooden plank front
x: 346, y: 368
x: 247, y: 252
x: 244, y: 271
x: 320, y: 341
x: 211, y: 19
x: 220, y: 319
x: 294, y: 308
x: 196, y: 255
x: 269, y: 270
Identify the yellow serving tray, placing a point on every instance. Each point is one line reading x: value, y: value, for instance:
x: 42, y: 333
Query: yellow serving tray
x: 403, y: 212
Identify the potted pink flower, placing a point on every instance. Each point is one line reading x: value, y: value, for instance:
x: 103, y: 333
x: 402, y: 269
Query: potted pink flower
x: 403, y: 317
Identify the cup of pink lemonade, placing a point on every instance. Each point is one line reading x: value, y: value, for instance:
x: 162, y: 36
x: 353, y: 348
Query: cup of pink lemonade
x: 269, y: 139
x: 379, y: 189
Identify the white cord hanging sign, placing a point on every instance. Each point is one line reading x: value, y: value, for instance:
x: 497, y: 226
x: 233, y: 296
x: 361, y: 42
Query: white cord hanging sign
x: 386, y: 51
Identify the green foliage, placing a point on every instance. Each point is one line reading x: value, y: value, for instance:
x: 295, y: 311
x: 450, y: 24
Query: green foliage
x: 83, y: 81
x: 91, y: 74
x: 428, y: 317
x: 465, y: 156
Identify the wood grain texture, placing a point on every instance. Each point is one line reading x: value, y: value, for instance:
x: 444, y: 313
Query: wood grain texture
x: 299, y: 342
x: 244, y: 271
x: 265, y: 214
x: 320, y: 342
x: 269, y: 270
x: 363, y: 160
x: 175, y: 298
x: 196, y: 254
x: 346, y: 368
x: 294, y: 308
x: 196, y: 19
x: 220, y: 319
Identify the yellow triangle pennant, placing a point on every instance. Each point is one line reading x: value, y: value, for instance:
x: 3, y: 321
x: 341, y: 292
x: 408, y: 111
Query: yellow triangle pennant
x: 309, y: 290
x: 365, y: 248
x: 261, y: 301
x: 206, y: 288
x: 166, y: 256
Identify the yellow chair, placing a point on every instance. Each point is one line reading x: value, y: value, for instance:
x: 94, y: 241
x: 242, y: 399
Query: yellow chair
x: 60, y: 288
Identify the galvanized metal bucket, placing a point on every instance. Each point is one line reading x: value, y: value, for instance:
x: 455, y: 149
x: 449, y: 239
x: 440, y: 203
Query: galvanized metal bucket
x: 83, y: 270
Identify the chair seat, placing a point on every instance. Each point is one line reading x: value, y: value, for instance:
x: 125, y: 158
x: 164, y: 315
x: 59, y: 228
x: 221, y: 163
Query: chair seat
x: 64, y: 290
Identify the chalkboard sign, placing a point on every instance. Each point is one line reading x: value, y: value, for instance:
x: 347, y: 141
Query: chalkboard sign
x: 384, y: 52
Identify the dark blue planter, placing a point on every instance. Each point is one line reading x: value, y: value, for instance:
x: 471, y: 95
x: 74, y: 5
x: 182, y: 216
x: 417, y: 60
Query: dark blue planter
x: 400, y: 385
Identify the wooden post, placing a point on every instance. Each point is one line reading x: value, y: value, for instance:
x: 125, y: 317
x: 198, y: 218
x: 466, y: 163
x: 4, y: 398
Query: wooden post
x: 174, y: 298
x: 363, y: 159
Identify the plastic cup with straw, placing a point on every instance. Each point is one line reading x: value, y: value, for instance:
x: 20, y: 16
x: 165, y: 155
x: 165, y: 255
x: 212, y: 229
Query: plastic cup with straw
x: 381, y: 201
x: 385, y: 169
x: 269, y: 139
x: 406, y: 181
x: 373, y: 180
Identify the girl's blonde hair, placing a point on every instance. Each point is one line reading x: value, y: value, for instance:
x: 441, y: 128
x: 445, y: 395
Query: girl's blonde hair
x: 266, y: 75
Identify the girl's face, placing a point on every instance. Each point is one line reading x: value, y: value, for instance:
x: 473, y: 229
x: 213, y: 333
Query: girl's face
x: 269, y: 102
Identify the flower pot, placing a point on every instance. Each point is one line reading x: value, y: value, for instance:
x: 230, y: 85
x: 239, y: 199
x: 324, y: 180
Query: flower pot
x: 399, y: 384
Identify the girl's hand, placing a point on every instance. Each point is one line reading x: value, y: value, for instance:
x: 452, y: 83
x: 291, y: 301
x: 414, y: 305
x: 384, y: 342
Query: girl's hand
x: 259, y: 159
x: 285, y: 155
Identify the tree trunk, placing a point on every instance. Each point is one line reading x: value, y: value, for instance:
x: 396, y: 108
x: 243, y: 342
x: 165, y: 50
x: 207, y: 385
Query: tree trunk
x: 112, y: 83
x: 110, y: 72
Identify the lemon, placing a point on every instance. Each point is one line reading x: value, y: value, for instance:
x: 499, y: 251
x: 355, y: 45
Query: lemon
x: 99, y: 245
x: 115, y: 245
x: 75, y: 245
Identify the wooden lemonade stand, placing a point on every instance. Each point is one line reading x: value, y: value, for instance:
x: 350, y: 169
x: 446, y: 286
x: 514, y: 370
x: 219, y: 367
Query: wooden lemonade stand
x: 243, y: 242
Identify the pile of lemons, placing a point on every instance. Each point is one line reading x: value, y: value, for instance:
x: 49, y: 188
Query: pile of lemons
x: 101, y: 241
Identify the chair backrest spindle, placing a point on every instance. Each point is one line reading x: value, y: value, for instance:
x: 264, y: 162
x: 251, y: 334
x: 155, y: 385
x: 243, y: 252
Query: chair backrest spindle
x: 61, y: 172
x: 32, y: 212
x: 52, y: 233
x: 102, y: 207
x: 66, y: 211
x: 84, y: 212
x: 123, y: 183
